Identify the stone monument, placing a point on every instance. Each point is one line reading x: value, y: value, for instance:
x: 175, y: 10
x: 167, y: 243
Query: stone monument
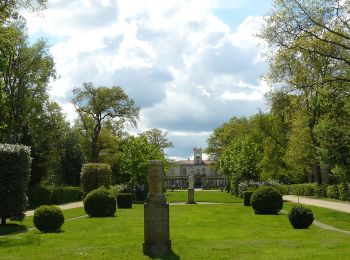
x: 156, y: 214
x: 191, y: 190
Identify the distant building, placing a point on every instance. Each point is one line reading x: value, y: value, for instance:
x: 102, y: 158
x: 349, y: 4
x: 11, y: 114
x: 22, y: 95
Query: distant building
x: 204, y: 175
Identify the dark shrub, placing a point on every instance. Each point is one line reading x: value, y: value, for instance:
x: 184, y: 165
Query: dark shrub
x: 300, y: 217
x: 100, y: 203
x: 246, y: 197
x: 38, y: 195
x: 48, y: 218
x: 15, y: 164
x: 344, y: 192
x: 266, y: 200
x: 95, y: 175
x: 44, y: 195
x: 333, y: 192
x: 124, y: 200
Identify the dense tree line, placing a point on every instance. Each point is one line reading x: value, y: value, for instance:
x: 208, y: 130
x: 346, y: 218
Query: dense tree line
x: 306, y: 134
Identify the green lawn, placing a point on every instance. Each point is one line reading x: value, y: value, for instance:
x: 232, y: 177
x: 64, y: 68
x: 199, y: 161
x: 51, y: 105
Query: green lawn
x: 202, y: 196
x: 216, y: 231
x: 331, y: 217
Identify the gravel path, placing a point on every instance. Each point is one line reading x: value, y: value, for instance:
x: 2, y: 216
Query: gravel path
x: 335, y: 205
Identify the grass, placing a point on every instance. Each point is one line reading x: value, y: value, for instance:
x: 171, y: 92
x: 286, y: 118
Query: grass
x: 216, y: 231
x: 202, y: 196
x: 327, y: 216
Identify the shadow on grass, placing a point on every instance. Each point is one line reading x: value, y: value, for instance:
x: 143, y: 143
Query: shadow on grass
x: 10, y: 229
x: 171, y: 256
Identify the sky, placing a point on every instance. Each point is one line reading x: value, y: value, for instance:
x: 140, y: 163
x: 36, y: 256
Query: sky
x: 190, y: 65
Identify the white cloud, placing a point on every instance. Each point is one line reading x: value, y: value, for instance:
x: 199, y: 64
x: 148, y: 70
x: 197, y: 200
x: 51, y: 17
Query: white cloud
x: 186, y: 68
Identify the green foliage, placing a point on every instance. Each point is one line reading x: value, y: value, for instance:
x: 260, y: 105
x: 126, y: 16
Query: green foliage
x: 48, y: 218
x: 124, y: 200
x: 333, y: 192
x: 300, y: 217
x: 14, y: 177
x: 240, y: 160
x: 98, y: 106
x: 305, y: 189
x: 246, y: 197
x: 95, y: 175
x: 321, y: 191
x: 134, y: 157
x: 344, y: 193
x: 44, y: 195
x: 266, y: 200
x: 100, y: 203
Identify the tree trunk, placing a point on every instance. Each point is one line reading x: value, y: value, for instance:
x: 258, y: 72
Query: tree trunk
x: 317, y: 172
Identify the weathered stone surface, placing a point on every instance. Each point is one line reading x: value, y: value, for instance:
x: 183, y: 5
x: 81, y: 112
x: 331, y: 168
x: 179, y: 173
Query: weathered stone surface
x: 156, y: 215
x: 190, y: 196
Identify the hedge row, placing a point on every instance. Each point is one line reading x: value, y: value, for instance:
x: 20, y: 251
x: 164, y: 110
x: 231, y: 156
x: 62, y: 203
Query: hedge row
x: 43, y: 195
x: 340, y: 191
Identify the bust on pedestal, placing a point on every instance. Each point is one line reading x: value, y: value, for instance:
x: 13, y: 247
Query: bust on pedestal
x: 156, y: 214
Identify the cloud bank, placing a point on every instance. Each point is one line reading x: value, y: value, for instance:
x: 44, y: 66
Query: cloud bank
x: 187, y: 69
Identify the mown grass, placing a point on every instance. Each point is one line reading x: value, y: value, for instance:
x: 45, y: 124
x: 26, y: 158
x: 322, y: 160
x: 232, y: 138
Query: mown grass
x: 327, y: 216
x: 202, y: 196
x: 216, y: 231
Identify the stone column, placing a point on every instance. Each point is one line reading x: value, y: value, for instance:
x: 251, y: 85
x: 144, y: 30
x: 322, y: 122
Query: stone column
x: 156, y: 214
x: 190, y: 190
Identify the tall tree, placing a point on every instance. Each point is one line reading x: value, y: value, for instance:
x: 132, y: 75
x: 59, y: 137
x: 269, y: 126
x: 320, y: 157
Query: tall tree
x: 98, y: 105
x: 158, y: 138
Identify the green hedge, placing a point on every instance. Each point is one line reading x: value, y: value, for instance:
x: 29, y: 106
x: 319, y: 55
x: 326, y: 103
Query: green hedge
x: 95, y: 175
x: 15, y: 164
x: 43, y: 195
x: 124, y: 200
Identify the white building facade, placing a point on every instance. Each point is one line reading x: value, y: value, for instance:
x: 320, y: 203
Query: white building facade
x: 204, y: 175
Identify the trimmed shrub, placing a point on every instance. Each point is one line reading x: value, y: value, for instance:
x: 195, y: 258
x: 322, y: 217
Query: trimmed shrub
x: 300, y: 217
x: 246, y: 197
x: 333, y: 192
x: 95, y: 175
x: 48, y: 218
x: 38, y: 195
x: 61, y: 195
x: 344, y: 193
x: 321, y: 191
x: 124, y: 200
x: 15, y: 164
x: 266, y: 200
x: 305, y: 189
x: 100, y: 203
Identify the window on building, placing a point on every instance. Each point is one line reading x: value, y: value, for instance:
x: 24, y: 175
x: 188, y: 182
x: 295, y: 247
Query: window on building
x: 184, y: 171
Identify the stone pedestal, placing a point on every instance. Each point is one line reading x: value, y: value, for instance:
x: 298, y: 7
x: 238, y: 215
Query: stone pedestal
x: 190, y: 196
x: 156, y: 214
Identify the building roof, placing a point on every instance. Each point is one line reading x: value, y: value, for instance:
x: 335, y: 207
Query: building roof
x: 191, y: 162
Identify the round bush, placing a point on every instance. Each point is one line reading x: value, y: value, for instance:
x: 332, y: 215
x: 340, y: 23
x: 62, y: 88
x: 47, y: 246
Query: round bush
x: 266, y: 200
x: 100, y: 203
x: 48, y: 218
x: 300, y: 217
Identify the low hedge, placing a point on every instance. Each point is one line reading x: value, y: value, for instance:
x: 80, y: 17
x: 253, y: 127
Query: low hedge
x: 124, y: 200
x: 44, y: 195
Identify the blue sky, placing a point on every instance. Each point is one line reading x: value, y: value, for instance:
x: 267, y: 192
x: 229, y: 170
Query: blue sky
x: 190, y: 65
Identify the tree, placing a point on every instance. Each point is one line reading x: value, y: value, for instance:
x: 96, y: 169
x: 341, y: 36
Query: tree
x: 135, y: 152
x: 240, y: 161
x: 97, y: 105
x: 158, y: 138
